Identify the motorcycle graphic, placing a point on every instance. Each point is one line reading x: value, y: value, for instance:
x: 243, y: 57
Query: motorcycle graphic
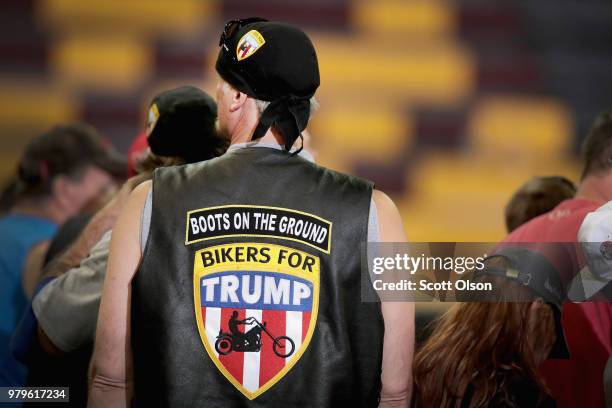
x: 250, y: 341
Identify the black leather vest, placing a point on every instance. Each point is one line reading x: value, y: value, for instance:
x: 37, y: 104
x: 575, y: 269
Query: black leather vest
x: 249, y: 292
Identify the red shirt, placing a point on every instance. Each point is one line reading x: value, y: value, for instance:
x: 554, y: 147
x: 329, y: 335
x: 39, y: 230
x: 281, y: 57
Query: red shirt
x: 578, y: 381
x: 137, y: 152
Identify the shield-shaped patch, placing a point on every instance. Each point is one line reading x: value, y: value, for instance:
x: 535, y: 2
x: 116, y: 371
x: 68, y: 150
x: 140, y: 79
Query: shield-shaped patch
x: 249, y: 44
x: 256, y: 308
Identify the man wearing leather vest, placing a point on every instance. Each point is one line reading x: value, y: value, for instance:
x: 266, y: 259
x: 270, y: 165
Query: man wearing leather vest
x: 261, y: 236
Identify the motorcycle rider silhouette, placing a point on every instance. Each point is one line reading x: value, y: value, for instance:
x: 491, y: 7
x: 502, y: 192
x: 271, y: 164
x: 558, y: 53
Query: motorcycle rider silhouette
x: 236, y: 340
x: 249, y: 339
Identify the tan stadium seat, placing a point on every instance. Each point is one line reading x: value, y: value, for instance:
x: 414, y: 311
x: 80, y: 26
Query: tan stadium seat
x: 521, y: 126
x: 462, y: 196
x: 106, y: 63
x: 418, y: 18
x: 28, y: 108
x: 25, y: 103
x: 362, y: 132
x: 447, y: 218
x: 437, y: 72
x: 175, y: 18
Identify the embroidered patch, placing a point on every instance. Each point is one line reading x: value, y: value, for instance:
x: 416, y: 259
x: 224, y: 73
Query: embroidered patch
x: 249, y: 44
x: 258, y: 221
x: 152, y: 118
x: 256, y: 308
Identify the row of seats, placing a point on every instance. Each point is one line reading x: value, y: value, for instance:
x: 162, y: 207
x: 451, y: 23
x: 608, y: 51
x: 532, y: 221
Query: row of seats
x: 422, y: 96
x: 177, y: 18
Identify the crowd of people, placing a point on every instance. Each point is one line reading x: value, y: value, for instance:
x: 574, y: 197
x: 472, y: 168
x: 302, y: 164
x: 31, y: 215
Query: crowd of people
x: 98, y: 280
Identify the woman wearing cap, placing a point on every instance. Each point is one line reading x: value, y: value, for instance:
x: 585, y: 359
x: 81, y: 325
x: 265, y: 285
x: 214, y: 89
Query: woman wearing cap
x: 485, y: 356
x: 485, y: 351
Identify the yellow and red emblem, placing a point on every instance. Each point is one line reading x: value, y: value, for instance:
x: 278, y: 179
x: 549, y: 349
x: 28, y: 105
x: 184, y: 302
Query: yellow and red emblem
x: 249, y: 44
x: 256, y: 308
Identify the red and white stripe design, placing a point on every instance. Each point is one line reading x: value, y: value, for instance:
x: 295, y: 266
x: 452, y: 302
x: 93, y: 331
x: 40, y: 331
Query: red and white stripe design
x: 254, y: 369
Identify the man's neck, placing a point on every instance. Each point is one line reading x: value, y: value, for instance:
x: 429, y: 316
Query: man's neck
x: 245, y: 135
x: 596, y: 188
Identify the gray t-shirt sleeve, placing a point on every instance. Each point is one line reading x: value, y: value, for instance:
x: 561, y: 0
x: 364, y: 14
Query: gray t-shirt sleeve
x: 67, y: 308
x: 145, y: 222
x: 373, y: 230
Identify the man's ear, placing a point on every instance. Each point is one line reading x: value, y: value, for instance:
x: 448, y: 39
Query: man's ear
x: 59, y: 187
x: 62, y: 191
x: 238, y: 99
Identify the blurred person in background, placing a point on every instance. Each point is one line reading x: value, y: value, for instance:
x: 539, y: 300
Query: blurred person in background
x: 577, y: 380
x: 595, y: 237
x: 60, y: 173
x: 536, y: 197
x: 357, y: 354
x: 485, y: 352
x: 181, y: 129
x: 459, y: 366
x: 70, y: 230
x: 138, y: 151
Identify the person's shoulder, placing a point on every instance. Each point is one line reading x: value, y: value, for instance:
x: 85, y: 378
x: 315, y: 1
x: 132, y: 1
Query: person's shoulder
x: 20, y: 222
x: 383, y: 202
x: 142, y: 189
x: 533, y: 229
x: 137, y: 198
x: 389, y: 218
x: 561, y: 223
x: 7, y: 225
x: 20, y: 232
x: 339, y: 177
x: 165, y: 175
x: 537, y: 228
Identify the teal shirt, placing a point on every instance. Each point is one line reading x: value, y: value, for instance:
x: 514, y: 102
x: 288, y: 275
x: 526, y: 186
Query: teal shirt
x: 18, y: 234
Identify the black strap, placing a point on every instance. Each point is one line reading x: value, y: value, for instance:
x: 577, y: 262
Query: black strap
x: 297, y: 151
x: 290, y: 114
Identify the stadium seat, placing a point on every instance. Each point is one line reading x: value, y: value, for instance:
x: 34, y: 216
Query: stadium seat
x: 521, y: 125
x: 454, y: 196
x: 24, y: 103
x: 439, y: 72
x: 117, y: 64
x: 420, y: 18
x: 363, y: 132
x: 320, y: 14
x: 446, y: 218
x: 171, y: 18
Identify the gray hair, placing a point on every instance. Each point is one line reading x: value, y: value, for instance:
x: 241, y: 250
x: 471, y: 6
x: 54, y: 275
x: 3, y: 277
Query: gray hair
x: 262, y: 105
